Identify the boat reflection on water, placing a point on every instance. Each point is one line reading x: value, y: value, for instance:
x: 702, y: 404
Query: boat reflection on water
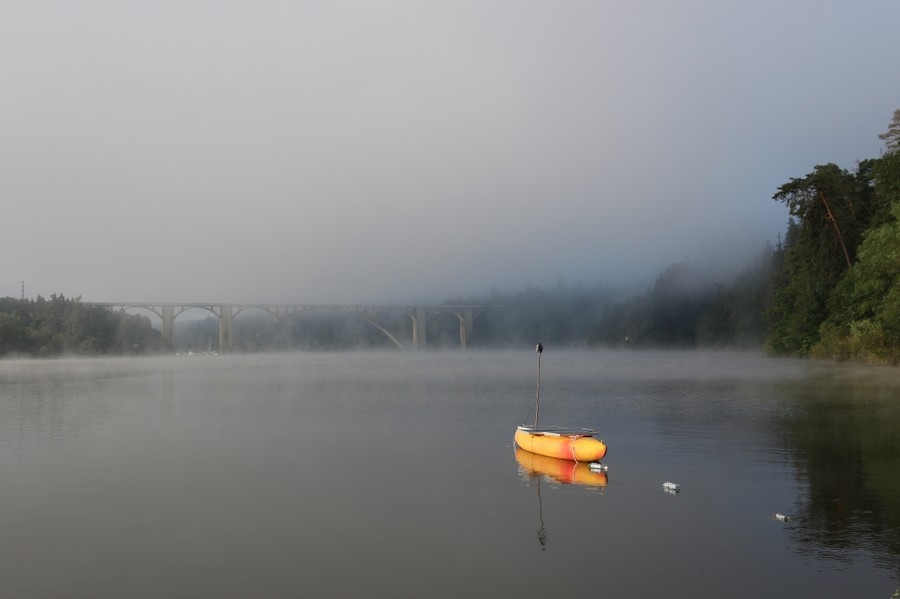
x: 562, y: 471
x: 557, y: 471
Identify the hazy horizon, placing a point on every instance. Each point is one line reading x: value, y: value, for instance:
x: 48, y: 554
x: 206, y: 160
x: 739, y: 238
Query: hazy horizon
x: 399, y: 151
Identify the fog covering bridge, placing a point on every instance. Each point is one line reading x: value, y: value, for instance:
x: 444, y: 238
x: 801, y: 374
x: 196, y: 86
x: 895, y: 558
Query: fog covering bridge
x: 168, y: 312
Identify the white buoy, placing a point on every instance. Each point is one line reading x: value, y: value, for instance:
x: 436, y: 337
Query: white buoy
x: 598, y: 467
x: 782, y: 517
x: 670, y: 487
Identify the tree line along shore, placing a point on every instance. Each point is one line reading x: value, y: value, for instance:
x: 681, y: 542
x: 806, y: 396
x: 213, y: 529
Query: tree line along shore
x: 830, y: 288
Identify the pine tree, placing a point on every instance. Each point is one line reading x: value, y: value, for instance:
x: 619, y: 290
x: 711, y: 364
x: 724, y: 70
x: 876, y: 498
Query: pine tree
x: 891, y: 137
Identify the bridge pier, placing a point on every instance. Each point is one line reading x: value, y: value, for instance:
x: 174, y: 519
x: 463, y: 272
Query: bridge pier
x: 418, y: 328
x: 226, y: 329
x: 168, y: 323
x: 466, y: 322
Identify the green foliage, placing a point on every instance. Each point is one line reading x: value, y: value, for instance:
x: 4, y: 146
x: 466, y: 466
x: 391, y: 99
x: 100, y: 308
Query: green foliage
x: 12, y: 333
x: 865, y: 324
x: 837, y: 272
x: 55, y: 326
x: 531, y: 315
x: 560, y: 316
x: 736, y: 316
x: 685, y: 307
x: 799, y: 303
x: 668, y: 314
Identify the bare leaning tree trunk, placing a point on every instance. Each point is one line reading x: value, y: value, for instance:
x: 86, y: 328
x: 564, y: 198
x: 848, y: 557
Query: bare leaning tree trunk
x: 836, y: 229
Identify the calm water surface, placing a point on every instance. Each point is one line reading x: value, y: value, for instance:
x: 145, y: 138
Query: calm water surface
x: 394, y: 475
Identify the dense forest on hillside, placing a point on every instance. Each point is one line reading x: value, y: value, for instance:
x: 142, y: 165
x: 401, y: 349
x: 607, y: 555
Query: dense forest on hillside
x: 830, y: 288
x: 685, y: 307
x: 837, y: 274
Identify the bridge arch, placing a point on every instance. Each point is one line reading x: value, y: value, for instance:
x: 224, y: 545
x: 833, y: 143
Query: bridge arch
x: 371, y: 316
x: 168, y: 312
x: 368, y: 316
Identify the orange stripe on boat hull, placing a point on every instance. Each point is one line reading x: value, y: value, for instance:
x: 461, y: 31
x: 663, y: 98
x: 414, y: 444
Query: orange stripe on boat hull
x: 574, y: 447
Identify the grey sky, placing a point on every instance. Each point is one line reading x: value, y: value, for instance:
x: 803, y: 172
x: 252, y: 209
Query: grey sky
x: 412, y: 150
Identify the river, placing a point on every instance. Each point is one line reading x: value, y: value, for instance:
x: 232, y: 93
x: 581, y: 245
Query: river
x: 394, y: 474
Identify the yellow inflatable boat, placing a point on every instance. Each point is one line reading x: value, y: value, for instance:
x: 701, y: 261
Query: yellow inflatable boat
x: 577, y: 444
x: 561, y: 443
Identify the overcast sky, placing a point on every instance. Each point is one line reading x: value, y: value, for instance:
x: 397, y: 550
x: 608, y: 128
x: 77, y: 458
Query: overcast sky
x: 369, y: 151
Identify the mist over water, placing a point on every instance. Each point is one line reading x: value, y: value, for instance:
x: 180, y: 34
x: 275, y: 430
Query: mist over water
x: 403, y: 151
x: 393, y: 474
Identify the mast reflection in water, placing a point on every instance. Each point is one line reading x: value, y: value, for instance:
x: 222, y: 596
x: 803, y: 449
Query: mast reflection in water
x: 536, y: 467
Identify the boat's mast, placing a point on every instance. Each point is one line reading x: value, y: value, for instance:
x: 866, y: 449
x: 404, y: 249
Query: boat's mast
x: 537, y: 401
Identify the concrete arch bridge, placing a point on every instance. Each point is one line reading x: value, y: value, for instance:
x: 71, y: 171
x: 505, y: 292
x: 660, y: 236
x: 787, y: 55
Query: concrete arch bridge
x: 226, y: 312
